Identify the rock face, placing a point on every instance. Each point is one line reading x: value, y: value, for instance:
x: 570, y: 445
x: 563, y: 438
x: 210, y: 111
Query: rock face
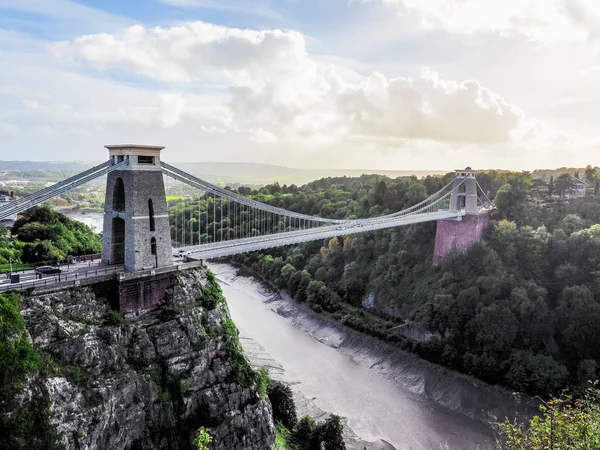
x: 147, y: 380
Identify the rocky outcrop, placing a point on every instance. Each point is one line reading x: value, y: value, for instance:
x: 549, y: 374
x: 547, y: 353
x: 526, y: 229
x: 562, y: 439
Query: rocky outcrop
x: 146, y: 380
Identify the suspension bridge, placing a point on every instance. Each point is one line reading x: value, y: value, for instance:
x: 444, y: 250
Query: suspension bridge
x: 139, y: 234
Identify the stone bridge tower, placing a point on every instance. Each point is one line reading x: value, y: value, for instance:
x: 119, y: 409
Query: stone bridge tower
x: 459, y: 235
x: 136, y: 219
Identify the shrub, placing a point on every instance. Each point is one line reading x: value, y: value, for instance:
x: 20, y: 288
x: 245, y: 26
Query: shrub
x: 114, y: 318
x: 203, y: 438
x: 212, y: 294
x: 563, y: 424
x: 282, y: 401
x: 262, y: 382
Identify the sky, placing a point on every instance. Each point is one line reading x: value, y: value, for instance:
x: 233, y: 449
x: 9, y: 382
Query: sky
x: 345, y: 84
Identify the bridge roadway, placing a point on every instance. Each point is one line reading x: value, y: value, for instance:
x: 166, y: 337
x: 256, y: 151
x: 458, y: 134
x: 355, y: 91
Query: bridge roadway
x: 71, y: 272
x: 233, y: 247
x: 89, y: 269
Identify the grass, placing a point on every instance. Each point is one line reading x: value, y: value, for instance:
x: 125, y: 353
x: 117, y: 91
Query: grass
x: 15, y: 266
x: 282, y: 438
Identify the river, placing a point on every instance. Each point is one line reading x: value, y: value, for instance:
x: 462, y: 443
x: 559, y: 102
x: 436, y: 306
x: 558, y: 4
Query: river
x: 382, y: 393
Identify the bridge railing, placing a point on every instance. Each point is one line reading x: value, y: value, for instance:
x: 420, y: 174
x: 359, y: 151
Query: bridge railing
x: 60, y: 278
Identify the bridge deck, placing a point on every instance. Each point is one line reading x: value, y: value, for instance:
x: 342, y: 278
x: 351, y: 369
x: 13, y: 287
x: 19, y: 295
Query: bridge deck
x: 233, y: 247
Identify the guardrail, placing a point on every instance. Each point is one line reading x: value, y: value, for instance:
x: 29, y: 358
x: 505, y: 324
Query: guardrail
x: 91, y: 258
x: 100, y: 271
x: 59, y: 278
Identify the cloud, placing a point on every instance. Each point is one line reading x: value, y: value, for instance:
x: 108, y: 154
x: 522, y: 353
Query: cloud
x: 8, y: 128
x: 279, y: 93
x: 238, y: 6
x: 262, y: 136
x: 539, y: 20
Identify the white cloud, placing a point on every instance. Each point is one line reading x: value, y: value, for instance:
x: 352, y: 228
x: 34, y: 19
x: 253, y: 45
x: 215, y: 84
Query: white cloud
x: 8, y: 128
x: 30, y: 104
x: 275, y: 85
x: 540, y: 20
x: 262, y: 136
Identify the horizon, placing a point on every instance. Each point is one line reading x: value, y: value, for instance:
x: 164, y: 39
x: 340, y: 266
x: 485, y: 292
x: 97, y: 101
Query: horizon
x: 488, y: 169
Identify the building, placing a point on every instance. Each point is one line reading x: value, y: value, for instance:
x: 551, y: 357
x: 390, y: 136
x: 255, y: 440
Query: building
x: 5, y: 198
x: 577, y: 189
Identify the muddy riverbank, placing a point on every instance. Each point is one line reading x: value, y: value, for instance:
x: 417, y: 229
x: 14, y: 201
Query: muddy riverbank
x: 382, y: 392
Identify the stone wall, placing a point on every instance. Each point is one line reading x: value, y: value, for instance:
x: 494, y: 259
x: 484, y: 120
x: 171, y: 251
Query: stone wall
x: 458, y: 236
x: 143, y: 293
x: 148, y: 380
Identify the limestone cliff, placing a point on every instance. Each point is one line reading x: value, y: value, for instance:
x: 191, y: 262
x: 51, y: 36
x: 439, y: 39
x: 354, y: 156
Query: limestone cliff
x: 141, y: 381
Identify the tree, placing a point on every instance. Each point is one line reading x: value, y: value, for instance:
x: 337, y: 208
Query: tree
x: 303, y: 432
x: 282, y: 401
x: 551, y: 186
x: 591, y: 174
x: 510, y: 200
x: 563, y: 183
x: 330, y: 434
x: 563, y: 423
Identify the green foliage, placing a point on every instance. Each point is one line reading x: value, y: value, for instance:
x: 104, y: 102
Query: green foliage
x: 308, y: 435
x: 243, y: 372
x: 520, y: 309
x: 304, y: 432
x: 212, y: 295
x: 563, y: 423
x: 17, y: 356
x: 283, y: 438
x: 203, y: 438
x: 18, y: 361
x: 45, y: 236
x: 114, y: 318
x: 78, y: 375
x: 282, y: 401
x: 330, y: 434
x: 51, y: 235
x: 262, y: 382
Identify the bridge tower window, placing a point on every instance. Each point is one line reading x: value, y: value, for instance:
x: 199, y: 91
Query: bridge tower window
x: 151, y: 215
x: 145, y: 159
x: 153, y: 246
x: 119, y: 196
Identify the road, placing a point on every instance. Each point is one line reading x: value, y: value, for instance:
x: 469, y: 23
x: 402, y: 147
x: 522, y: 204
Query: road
x: 28, y: 278
x: 77, y: 271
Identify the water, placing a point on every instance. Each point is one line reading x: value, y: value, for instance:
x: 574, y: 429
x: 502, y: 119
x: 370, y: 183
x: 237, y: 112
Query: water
x: 94, y: 220
x: 382, y: 393
x: 381, y: 398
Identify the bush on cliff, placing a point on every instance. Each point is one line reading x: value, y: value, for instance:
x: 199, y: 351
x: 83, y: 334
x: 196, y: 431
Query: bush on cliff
x: 25, y: 423
x: 563, y: 423
x: 327, y: 435
x: 282, y: 401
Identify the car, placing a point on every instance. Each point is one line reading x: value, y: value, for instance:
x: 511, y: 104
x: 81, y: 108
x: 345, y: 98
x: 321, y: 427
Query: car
x: 181, y: 254
x: 47, y: 270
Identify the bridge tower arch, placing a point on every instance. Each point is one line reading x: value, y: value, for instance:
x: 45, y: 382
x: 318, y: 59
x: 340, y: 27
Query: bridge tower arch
x: 136, y: 219
x: 459, y: 235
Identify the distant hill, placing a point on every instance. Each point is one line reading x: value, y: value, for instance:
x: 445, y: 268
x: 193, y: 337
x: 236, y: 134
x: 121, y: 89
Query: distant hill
x: 227, y: 173
x: 546, y: 173
x: 47, y: 165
